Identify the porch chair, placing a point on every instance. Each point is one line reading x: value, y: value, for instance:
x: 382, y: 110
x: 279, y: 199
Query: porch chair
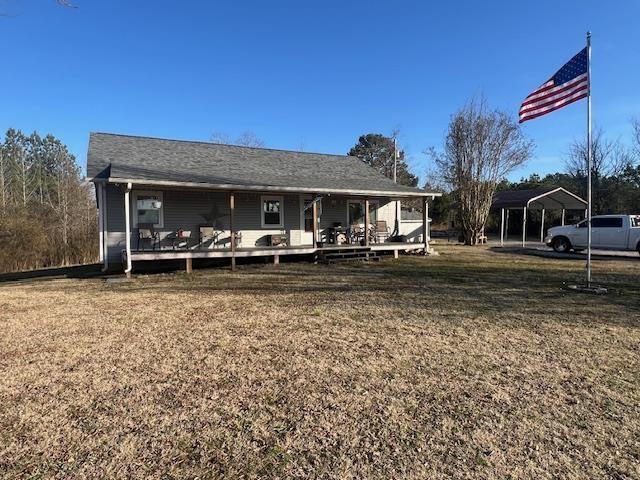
x: 355, y: 234
x: 181, y: 239
x: 146, y: 231
x: 381, y: 234
x: 208, y: 233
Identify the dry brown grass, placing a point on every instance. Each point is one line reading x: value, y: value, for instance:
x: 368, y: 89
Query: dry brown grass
x: 474, y: 364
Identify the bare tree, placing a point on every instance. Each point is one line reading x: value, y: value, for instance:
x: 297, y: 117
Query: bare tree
x: 249, y: 139
x: 246, y: 139
x: 609, y: 159
x: 481, y: 147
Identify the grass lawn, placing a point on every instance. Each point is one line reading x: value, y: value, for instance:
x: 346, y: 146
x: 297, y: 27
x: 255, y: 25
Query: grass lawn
x: 472, y: 364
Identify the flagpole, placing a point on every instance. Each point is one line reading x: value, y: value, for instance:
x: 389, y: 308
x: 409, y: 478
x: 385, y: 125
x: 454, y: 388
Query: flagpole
x: 589, y: 157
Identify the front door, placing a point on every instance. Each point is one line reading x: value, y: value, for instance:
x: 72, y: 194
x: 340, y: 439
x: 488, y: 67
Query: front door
x: 306, y: 220
x: 355, y: 212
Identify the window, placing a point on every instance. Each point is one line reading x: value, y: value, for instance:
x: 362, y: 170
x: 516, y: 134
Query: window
x: 272, y: 211
x: 148, y: 208
x: 356, y: 212
x: 606, y: 222
x: 635, y: 221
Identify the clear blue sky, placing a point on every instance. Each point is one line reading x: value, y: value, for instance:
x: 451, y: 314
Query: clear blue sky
x: 311, y: 74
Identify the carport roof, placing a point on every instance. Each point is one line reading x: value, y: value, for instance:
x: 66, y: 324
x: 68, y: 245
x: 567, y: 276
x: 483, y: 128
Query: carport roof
x: 539, y: 198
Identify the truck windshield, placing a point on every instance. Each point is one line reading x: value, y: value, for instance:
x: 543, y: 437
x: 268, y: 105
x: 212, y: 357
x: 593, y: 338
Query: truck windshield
x: 635, y: 221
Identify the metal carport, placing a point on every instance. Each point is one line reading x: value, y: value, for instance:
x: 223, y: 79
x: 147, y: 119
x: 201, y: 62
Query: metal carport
x: 535, y: 199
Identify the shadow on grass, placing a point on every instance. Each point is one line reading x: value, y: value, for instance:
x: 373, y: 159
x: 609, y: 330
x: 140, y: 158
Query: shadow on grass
x: 503, y: 286
x: 625, y: 257
x: 90, y: 270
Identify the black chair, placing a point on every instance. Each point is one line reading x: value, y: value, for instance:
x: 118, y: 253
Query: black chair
x: 147, y: 232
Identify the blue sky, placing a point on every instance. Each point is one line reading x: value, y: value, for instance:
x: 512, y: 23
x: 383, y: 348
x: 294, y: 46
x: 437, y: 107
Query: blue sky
x: 308, y: 74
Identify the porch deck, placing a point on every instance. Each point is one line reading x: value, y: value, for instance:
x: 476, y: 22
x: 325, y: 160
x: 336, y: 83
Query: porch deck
x: 244, y: 252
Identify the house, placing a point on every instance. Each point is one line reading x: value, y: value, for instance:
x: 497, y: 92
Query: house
x: 171, y: 199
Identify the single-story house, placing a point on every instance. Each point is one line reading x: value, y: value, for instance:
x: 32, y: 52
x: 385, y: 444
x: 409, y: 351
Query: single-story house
x: 172, y: 199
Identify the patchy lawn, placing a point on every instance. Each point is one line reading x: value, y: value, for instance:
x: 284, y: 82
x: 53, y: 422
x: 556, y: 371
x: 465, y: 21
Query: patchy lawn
x: 473, y: 364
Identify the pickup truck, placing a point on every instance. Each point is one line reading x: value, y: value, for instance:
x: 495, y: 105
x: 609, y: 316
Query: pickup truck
x: 608, y: 232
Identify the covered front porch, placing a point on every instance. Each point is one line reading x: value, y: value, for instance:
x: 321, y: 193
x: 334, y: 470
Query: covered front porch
x: 190, y: 224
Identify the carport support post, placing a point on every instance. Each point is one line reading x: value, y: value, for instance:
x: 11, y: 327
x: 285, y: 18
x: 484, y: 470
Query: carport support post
x: 563, y: 217
x: 232, y: 207
x: 542, y: 228
x: 502, y: 227
x: 506, y: 226
x: 524, y: 225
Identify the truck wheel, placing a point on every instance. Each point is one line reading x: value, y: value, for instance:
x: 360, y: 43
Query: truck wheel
x: 561, y: 244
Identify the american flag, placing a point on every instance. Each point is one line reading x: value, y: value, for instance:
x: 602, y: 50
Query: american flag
x: 569, y: 84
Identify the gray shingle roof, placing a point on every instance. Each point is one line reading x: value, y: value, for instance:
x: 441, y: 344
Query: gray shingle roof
x: 556, y: 197
x: 154, y: 159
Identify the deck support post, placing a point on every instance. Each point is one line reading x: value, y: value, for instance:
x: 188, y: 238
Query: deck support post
x: 314, y: 210
x: 127, y: 228
x: 563, y: 217
x: 542, y: 228
x: 502, y: 227
x: 232, y: 232
x: 524, y: 225
x: 188, y: 265
x: 276, y: 259
x: 395, y: 253
x: 425, y: 226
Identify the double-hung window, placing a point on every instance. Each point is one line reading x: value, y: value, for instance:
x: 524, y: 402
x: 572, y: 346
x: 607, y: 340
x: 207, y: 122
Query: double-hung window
x: 272, y: 214
x: 148, y: 208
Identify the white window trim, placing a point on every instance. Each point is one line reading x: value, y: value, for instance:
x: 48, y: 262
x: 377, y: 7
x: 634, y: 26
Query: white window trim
x: 135, y: 206
x: 373, y: 205
x: 264, y: 198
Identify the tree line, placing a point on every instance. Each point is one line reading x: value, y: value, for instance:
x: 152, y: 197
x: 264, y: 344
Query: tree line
x: 48, y: 214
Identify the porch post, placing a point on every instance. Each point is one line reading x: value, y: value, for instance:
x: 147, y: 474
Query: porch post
x: 366, y: 222
x: 542, y: 228
x: 425, y: 225
x: 232, y: 232
x: 105, y: 229
x: 100, y: 222
x: 502, y: 227
x: 127, y: 228
x: 524, y: 225
x: 563, y: 217
x: 314, y: 209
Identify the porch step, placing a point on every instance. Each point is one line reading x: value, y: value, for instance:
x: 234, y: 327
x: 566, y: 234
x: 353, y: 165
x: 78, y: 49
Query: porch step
x: 360, y: 254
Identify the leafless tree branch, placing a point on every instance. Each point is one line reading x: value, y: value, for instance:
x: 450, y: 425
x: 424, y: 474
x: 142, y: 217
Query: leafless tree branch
x: 481, y: 147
